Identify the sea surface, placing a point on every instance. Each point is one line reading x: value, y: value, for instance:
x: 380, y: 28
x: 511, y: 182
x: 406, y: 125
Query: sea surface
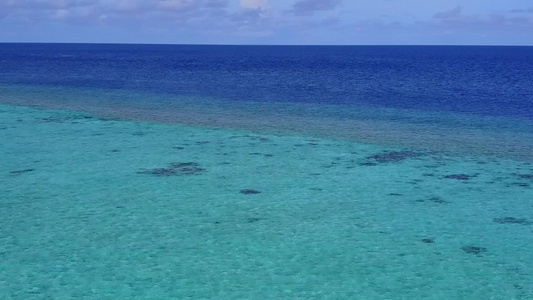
x: 265, y: 172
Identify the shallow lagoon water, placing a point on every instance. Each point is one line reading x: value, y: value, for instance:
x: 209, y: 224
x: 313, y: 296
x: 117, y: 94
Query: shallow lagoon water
x: 100, y: 208
x: 227, y: 172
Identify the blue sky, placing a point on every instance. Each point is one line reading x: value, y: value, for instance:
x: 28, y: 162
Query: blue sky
x: 353, y: 22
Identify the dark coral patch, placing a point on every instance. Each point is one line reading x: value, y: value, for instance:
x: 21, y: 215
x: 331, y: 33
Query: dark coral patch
x: 512, y: 220
x: 175, y: 169
x: 18, y: 172
x: 249, y: 192
x: 458, y: 176
x: 63, y: 119
x: 368, y: 164
x: 393, y: 156
x: 188, y: 168
x: 438, y: 200
x: 525, y: 176
x: 428, y: 241
x: 434, y: 199
x: 252, y: 220
x: 159, y: 172
x: 474, y: 250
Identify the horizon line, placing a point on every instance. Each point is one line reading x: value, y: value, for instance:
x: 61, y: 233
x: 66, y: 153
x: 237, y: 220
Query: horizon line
x: 273, y: 45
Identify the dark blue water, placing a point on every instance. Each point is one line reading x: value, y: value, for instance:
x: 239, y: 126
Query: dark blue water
x: 485, y: 81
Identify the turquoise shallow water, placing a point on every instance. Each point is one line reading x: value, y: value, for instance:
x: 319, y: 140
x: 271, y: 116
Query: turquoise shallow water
x: 100, y: 208
x: 442, y: 132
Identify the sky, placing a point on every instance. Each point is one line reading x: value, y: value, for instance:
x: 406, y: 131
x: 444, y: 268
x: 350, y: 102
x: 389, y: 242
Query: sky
x: 269, y: 22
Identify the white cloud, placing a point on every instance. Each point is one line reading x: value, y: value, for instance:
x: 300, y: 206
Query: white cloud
x: 61, y: 14
x: 176, y: 4
x: 309, y: 6
x: 254, y: 4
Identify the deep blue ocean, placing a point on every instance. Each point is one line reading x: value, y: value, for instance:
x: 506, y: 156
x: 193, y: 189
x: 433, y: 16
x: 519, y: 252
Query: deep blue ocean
x: 266, y: 172
x: 486, y: 81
